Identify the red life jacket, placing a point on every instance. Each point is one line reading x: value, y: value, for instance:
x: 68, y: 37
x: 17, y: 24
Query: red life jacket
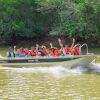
x: 26, y: 52
x: 67, y: 50
x: 76, y: 51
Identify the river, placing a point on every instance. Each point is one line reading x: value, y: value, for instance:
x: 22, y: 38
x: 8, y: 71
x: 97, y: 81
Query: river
x: 50, y: 83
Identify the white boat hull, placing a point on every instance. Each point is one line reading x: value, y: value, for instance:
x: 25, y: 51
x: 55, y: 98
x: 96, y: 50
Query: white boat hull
x: 67, y: 61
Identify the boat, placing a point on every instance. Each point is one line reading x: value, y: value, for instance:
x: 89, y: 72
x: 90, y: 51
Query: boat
x: 70, y: 61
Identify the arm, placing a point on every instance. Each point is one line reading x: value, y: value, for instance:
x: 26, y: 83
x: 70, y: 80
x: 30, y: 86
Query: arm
x: 60, y: 43
x: 43, y: 46
x: 37, y: 47
x: 73, y: 43
x: 14, y: 49
x: 44, y: 49
x: 51, y: 45
x: 77, y: 45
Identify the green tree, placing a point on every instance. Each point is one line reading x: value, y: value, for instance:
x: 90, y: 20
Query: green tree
x: 38, y: 18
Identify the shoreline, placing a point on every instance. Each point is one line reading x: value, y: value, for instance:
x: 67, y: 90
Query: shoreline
x: 48, y: 39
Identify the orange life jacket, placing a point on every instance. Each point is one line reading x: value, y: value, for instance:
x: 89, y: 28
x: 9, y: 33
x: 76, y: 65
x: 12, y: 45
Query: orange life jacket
x: 55, y: 52
x: 48, y: 51
x: 58, y: 52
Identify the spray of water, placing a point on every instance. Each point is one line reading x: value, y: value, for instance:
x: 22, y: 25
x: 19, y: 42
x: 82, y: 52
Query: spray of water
x: 95, y: 67
x: 55, y: 69
x: 50, y: 70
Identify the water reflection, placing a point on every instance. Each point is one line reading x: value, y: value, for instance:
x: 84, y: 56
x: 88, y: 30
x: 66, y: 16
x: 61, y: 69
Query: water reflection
x: 53, y: 83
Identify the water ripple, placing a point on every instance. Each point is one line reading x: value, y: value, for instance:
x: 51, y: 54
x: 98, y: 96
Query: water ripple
x: 58, y: 83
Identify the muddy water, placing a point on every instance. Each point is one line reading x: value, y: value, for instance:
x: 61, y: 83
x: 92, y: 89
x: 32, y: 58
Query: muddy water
x: 53, y: 83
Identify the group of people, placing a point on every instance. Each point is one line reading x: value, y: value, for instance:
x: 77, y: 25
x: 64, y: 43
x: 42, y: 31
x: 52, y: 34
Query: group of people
x: 39, y: 51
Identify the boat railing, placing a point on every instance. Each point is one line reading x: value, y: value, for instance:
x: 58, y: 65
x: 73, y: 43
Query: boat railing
x: 87, y: 50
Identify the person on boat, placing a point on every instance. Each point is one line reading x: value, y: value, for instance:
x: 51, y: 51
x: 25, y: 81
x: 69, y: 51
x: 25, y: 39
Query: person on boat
x: 32, y: 52
x: 73, y: 49
x: 45, y: 50
x: 48, y: 51
x: 76, y: 49
x: 39, y: 51
x: 11, y: 52
x: 21, y: 53
x: 54, y: 51
x: 26, y: 51
x: 67, y: 50
x: 17, y: 52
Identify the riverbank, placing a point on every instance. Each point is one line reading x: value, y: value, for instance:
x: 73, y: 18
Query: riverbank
x: 46, y: 40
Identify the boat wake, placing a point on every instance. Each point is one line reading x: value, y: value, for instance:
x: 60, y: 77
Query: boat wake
x: 95, y: 68
x: 55, y: 69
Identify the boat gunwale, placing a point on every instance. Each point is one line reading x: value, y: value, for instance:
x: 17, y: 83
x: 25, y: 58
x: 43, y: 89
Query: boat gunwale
x: 59, y: 57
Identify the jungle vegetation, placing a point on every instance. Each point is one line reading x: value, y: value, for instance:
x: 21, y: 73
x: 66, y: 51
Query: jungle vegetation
x: 39, y: 18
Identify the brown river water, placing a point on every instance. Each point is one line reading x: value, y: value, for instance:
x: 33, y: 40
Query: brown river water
x: 50, y: 83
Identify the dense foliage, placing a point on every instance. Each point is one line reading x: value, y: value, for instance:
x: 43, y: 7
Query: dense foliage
x: 36, y: 18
